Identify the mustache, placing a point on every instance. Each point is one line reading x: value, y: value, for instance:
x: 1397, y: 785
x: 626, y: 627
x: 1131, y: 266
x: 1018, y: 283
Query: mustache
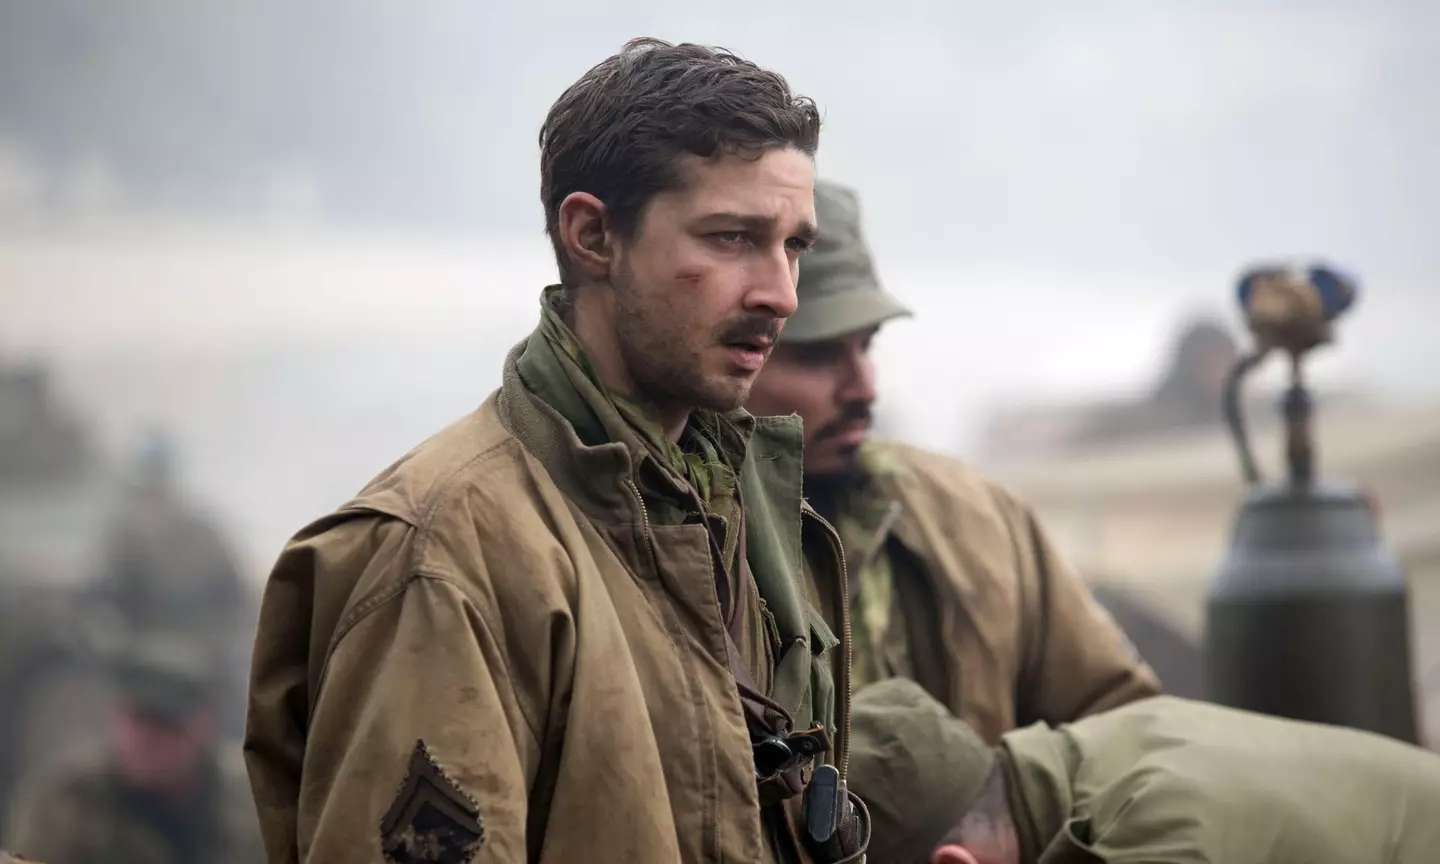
x: 754, y: 327
x: 851, y: 412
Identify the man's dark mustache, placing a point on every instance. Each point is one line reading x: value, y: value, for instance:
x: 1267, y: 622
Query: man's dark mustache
x: 750, y: 328
x: 851, y: 412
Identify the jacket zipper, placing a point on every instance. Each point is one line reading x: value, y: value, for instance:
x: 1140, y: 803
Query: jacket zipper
x: 839, y: 551
x: 645, y: 520
x: 835, y: 546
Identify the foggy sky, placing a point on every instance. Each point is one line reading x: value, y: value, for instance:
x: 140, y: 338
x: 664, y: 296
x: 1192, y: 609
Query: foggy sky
x: 1049, y: 187
x: 1162, y: 133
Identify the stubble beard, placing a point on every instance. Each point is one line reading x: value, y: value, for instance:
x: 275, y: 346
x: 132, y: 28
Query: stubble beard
x: 668, y: 372
x: 838, y: 478
x: 828, y: 489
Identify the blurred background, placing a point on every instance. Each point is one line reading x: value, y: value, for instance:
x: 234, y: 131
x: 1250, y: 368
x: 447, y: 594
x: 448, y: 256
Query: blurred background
x: 252, y: 252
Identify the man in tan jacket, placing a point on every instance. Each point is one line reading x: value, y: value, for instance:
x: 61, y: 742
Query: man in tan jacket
x: 574, y: 625
x: 953, y: 582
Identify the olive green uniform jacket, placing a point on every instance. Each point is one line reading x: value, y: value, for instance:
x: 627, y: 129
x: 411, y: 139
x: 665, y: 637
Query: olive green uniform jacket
x: 983, y: 613
x: 495, y: 654
x: 1186, y: 782
x: 84, y: 813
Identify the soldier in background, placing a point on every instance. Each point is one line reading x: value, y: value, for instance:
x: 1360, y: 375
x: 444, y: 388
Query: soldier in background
x: 164, y: 791
x: 953, y: 582
x: 165, y: 566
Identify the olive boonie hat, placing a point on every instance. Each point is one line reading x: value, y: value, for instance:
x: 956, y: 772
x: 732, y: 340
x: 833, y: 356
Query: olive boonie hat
x: 839, y: 291
x: 165, y: 675
x: 917, y: 767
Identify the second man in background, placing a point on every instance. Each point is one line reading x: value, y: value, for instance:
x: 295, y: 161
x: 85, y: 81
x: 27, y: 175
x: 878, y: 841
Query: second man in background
x: 953, y: 582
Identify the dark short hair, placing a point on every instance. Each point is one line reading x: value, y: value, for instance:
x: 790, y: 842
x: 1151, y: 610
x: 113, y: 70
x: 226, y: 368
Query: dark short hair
x: 618, y: 131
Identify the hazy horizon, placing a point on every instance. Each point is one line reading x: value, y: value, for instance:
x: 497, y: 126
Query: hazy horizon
x: 303, y: 235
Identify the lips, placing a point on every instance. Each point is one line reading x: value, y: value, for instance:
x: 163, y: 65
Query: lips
x: 749, y: 355
x: 749, y: 340
x: 850, y: 429
x: 762, y: 344
x: 852, y: 432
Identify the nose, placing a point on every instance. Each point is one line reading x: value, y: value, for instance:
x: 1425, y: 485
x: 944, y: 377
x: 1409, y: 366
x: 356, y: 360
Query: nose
x: 857, y: 383
x: 772, y: 284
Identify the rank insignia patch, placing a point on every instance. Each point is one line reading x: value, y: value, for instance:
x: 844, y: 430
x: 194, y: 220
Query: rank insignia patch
x: 432, y: 820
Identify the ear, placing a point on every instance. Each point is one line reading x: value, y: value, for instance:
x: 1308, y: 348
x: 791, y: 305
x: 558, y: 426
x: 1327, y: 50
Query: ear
x: 951, y: 853
x: 583, y: 233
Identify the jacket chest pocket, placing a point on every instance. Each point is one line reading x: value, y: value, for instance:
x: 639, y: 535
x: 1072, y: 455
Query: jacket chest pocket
x: 686, y: 573
x: 805, y: 684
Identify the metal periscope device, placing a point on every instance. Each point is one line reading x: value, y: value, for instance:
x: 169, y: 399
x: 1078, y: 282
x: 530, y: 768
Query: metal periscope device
x: 1308, y: 617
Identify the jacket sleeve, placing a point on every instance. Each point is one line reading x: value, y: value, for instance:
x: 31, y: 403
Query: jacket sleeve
x: 395, y: 731
x: 417, y: 742
x: 1075, y: 659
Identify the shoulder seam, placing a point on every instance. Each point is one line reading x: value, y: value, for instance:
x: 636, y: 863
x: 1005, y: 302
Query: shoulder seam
x: 436, y: 492
x: 441, y: 493
x: 421, y: 525
x: 379, y: 599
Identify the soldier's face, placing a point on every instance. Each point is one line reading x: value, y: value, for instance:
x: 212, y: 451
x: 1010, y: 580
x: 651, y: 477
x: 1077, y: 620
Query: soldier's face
x: 702, y: 289
x: 160, y: 753
x: 831, y: 385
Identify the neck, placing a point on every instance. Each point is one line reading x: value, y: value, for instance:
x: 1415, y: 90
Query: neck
x: 591, y: 318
